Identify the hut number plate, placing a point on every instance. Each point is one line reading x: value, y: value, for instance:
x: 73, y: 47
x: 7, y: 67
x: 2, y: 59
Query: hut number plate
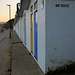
x: 62, y: 5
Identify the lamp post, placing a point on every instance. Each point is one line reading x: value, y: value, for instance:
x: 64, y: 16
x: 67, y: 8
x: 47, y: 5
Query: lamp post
x: 9, y: 11
x: 9, y: 16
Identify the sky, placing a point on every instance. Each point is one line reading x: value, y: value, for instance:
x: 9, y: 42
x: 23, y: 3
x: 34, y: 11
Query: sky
x: 4, y: 9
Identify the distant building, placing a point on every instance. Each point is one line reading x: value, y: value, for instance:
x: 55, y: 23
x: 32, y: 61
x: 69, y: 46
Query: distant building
x: 47, y: 29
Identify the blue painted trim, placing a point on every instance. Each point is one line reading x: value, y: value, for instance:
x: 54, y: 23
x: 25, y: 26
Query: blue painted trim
x: 35, y: 36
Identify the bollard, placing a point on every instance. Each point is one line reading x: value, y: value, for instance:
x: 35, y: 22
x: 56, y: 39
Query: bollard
x: 10, y: 32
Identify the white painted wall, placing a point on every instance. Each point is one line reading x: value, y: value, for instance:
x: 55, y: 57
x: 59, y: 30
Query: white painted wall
x: 60, y: 33
x: 19, y: 29
x: 21, y: 26
x: 22, y: 29
x: 41, y: 33
x: 41, y: 36
x: 28, y: 42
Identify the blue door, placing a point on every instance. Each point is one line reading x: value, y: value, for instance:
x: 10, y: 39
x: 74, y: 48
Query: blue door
x: 35, y: 35
x: 25, y: 31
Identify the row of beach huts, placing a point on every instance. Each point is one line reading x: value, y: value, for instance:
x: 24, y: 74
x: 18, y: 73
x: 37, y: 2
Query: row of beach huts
x: 47, y: 29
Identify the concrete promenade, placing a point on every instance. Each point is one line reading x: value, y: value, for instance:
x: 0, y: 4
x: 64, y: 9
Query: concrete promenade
x: 16, y: 60
x: 22, y: 63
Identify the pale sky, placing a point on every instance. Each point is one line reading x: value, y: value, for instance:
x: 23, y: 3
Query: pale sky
x: 4, y: 10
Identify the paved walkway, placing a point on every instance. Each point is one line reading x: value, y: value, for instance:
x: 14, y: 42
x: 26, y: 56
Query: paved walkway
x: 22, y: 63
x: 16, y: 60
x: 5, y: 47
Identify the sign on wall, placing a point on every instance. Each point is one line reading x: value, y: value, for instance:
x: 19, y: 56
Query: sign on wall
x: 62, y: 5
